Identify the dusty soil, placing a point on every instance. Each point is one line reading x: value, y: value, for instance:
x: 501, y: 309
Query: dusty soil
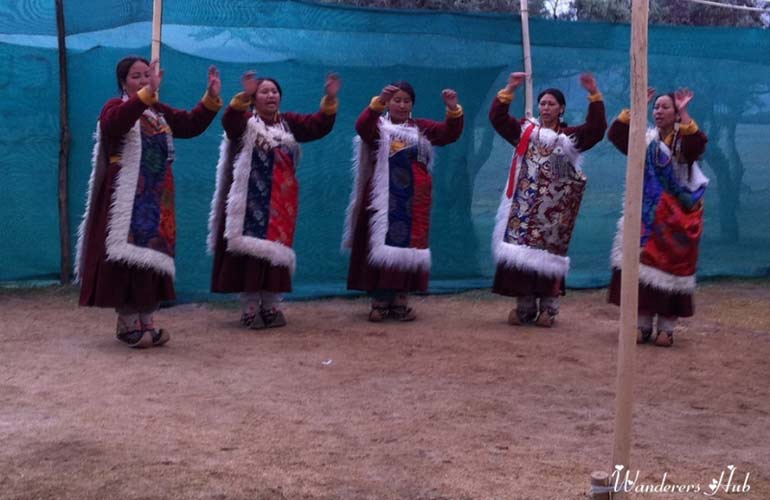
x: 457, y: 405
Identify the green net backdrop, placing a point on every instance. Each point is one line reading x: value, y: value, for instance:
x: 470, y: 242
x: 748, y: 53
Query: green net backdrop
x: 298, y: 43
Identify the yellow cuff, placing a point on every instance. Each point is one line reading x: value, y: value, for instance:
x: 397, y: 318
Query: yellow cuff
x: 688, y: 129
x: 595, y: 97
x: 329, y: 106
x: 505, y: 97
x: 625, y: 116
x: 241, y: 101
x: 147, y: 97
x: 457, y: 113
x: 376, y: 105
x: 211, y: 103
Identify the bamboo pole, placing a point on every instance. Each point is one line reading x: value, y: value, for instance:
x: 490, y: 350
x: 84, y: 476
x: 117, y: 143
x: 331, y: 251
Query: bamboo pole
x: 632, y: 209
x: 64, y: 149
x: 527, y: 57
x: 157, y: 21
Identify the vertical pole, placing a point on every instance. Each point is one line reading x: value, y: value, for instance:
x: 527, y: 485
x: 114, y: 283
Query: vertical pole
x: 632, y: 209
x: 157, y: 20
x: 527, y: 57
x: 64, y: 149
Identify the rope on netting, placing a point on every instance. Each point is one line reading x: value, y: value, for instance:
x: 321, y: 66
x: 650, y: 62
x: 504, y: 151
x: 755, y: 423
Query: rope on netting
x: 730, y: 6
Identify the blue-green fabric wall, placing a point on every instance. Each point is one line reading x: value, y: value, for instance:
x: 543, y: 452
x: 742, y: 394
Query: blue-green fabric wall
x: 298, y: 43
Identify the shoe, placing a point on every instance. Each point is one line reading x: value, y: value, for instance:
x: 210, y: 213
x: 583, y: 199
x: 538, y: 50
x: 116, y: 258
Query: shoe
x: 643, y: 335
x: 137, y: 339
x: 159, y: 336
x: 402, y: 313
x: 247, y: 319
x: 256, y: 322
x: 273, y: 318
x: 518, y: 318
x: 378, y: 314
x: 664, y: 339
x: 545, y: 319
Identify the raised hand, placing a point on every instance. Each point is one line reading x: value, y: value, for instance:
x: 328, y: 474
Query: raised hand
x: 588, y: 82
x: 515, y: 79
x: 156, y: 75
x: 249, y: 82
x: 450, y: 98
x: 387, y: 93
x: 214, y: 86
x: 682, y: 98
x: 332, y: 85
x: 650, y: 95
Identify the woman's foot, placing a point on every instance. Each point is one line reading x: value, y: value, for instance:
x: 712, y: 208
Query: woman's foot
x: 664, y: 338
x: 378, y: 313
x: 159, y: 336
x: 137, y: 339
x: 272, y: 318
x: 518, y: 317
x: 402, y: 313
x: 643, y: 335
x: 545, y: 319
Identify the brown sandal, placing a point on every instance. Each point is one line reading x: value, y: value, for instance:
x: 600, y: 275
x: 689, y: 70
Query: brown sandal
x: 643, y: 335
x: 378, y: 314
x: 664, y: 339
x: 402, y: 313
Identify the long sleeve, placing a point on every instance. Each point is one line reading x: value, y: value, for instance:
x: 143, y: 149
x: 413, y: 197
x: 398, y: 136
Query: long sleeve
x: 693, y: 140
x: 313, y: 126
x: 118, y: 116
x: 592, y: 131
x: 507, y: 126
x: 236, y: 116
x: 368, y: 121
x: 186, y: 124
x: 443, y: 133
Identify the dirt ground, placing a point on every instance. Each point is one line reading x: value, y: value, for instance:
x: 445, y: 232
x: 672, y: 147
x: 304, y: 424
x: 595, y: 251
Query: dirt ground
x: 457, y: 405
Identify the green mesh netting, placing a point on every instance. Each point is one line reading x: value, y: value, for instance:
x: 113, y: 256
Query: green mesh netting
x: 298, y: 42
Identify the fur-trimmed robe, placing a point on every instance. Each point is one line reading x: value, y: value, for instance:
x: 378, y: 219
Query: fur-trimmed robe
x: 540, y: 200
x: 387, y: 219
x: 672, y: 221
x: 126, y: 243
x: 254, y: 208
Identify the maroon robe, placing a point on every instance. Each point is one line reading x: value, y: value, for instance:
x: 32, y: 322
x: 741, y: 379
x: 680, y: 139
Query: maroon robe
x: 361, y: 274
x: 116, y: 284
x: 236, y: 273
x: 515, y: 282
x: 654, y: 300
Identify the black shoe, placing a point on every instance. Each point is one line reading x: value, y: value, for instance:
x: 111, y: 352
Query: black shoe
x: 136, y: 338
x: 273, y: 318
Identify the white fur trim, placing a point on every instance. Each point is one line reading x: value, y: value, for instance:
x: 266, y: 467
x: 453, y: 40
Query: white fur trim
x: 380, y: 254
x: 362, y: 170
x: 215, y: 215
x: 121, y: 209
x: 649, y: 275
x: 98, y: 168
x: 276, y: 253
x: 519, y: 256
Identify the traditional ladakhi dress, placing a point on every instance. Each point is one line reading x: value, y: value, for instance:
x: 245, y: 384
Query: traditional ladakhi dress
x: 127, y: 239
x: 541, y: 199
x: 254, y: 208
x: 672, y: 219
x: 388, y: 218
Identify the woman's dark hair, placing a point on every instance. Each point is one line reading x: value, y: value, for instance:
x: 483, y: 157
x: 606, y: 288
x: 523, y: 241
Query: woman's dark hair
x: 670, y: 95
x: 406, y: 87
x: 274, y: 82
x: 559, y: 96
x: 556, y: 93
x: 123, y: 67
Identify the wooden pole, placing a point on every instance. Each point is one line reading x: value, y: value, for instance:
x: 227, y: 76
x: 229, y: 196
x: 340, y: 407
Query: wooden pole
x: 632, y: 209
x: 157, y: 21
x: 64, y: 149
x: 527, y: 57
